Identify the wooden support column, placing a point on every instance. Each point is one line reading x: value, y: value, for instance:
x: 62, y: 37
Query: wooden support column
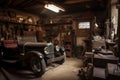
x: 119, y: 28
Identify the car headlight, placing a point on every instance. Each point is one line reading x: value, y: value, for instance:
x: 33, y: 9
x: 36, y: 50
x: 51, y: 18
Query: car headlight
x: 57, y: 48
x: 46, y: 50
x: 49, y: 49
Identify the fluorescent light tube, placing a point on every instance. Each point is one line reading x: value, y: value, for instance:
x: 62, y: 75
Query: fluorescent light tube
x: 53, y: 7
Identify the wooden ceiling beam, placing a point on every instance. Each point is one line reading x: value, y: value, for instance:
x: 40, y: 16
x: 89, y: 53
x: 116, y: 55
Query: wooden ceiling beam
x: 75, y: 1
x: 24, y: 3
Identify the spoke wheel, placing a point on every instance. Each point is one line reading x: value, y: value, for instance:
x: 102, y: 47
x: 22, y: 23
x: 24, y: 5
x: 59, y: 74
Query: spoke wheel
x: 37, y: 65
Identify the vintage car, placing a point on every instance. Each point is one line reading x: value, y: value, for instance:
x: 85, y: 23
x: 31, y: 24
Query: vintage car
x: 35, y: 55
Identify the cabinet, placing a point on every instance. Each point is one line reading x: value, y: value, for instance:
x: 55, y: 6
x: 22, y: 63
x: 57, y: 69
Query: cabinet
x: 113, y: 71
x: 68, y: 45
x: 70, y: 42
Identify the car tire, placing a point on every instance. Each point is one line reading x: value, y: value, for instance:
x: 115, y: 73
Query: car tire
x: 37, y: 65
x: 62, y: 61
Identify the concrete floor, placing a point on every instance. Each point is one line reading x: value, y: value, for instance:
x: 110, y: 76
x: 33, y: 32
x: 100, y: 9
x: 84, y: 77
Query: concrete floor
x: 66, y: 71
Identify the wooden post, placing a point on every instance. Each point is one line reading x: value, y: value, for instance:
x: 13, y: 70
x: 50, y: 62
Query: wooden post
x: 119, y: 29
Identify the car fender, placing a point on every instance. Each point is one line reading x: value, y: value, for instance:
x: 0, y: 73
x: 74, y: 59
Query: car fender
x: 30, y: 56
x: 32, y: 53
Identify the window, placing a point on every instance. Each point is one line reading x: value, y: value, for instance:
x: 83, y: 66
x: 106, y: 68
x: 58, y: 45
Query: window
x: 84, y: 25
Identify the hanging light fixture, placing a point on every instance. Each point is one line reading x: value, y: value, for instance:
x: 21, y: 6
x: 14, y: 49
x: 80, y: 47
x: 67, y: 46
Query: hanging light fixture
x: 53, y: 7
x: 96, y: 25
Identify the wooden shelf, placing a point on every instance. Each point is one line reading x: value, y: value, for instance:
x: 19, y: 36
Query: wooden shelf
x: 18, y: 23
x: 45, y: 25
x: 56, y: 24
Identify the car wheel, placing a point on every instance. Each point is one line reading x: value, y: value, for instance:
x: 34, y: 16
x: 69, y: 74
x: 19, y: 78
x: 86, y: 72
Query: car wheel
x: 37, y: 65
x: 61, y: 61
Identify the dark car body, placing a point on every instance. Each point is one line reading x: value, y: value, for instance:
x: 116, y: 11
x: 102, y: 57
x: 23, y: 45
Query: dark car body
x: 36, y: 55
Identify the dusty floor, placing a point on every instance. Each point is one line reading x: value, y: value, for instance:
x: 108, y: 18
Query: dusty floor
x: 66, y: 71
